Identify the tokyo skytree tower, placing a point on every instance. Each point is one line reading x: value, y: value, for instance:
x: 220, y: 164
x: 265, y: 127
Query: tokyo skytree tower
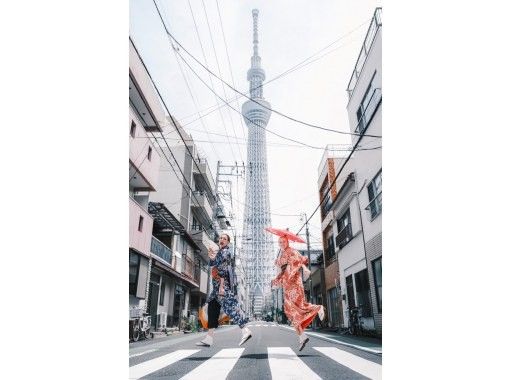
x: 258, y: 248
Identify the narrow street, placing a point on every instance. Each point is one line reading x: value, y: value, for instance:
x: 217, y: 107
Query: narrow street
x: 272, y: 353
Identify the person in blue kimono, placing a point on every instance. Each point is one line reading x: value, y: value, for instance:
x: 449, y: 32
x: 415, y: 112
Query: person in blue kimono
x: 222, y: 295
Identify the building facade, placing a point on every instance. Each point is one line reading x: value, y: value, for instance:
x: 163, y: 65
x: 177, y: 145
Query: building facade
x: 352, y: 209
x: 173, y: 211
x: 365, y: 117
x: 187, y: 191
x: 329, y: 272
x: 145, y: 116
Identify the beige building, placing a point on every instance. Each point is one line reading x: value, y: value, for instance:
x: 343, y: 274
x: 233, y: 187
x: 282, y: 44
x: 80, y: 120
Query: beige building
x: 145, y: 116
x: 171, y: 224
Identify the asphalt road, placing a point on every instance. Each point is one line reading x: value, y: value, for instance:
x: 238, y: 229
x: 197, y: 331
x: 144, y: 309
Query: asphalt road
x: 272, y: 353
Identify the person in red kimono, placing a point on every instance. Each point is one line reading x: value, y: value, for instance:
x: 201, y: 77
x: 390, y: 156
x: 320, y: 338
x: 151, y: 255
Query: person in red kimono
x: 298, y: 311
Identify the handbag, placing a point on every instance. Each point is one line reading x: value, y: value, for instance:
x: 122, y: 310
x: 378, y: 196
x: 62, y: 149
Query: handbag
x: 203, y: 316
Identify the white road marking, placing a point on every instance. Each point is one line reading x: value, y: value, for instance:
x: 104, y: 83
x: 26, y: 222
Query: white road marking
x: 285, y: 364
x: 363, y: 348
x: 217, y: 367
x: 362, y: 366
x: 141, y: 353
x: 145, y: 368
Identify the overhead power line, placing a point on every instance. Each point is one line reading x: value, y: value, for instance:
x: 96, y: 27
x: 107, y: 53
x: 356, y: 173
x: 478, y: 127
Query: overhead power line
x: 295, y: 67
x: 219, y: 70
x: 334, y: 181
x: 249, y: 98
x: 251, y: 121
x: 178, y: 131
x: 276, y: 144
x: 229, y: 64
x: 205, y: 59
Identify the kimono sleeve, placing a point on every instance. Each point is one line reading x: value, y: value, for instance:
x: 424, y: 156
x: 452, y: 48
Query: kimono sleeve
x: 297, y: 260
x: 278, y: 281
x: 216, y: 261
x: 224, y: 264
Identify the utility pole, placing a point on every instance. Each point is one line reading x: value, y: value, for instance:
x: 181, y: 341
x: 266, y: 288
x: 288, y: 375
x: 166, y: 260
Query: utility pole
x: 309, y: 260
x: 234, y: 172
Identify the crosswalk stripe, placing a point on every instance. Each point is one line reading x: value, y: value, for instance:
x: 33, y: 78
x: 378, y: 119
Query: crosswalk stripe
x: 365, y: 367
x: 217, y: 367
x: 324, y: 337
x: 285, y: 364
x: 149, y: 366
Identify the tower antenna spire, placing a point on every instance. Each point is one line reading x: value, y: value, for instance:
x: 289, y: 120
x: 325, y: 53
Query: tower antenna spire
x: 255, y: 14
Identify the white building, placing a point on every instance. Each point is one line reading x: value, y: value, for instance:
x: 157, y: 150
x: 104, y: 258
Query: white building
x: 354, y: 217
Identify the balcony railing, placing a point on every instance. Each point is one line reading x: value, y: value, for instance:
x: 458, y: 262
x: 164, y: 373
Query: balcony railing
x: 369, y: 111
x: 201, y: 200
x: 344, y: 237
x: 375, y: 24
x: 161, y: 250
x: 190, y: 269
x: 204, y: 169
x: 187, y: 267
x: 199, y: 233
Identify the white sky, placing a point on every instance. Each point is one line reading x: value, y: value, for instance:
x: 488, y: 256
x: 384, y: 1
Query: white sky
x: 289, y: 32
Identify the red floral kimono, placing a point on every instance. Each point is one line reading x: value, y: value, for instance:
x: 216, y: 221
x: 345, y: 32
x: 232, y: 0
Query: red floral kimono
x: 298, y: 311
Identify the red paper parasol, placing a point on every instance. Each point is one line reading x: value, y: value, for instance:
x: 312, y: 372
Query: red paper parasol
x: 289, y: 235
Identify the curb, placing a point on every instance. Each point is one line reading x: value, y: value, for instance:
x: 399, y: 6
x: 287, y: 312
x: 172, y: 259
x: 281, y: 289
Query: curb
x: 316, y: 335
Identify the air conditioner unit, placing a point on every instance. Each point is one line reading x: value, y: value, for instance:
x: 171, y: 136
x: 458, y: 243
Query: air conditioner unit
x: 162, y: 320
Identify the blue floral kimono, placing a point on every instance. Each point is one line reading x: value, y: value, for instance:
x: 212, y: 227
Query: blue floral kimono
x: 222, y: 268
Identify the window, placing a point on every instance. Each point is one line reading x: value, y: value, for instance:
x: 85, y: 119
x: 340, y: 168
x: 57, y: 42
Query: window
x: 162, y: 294
x: 149, y: 154
x: 375, y: 195
x: 134, y: 265
x: 344, y: 229
x: 133, y: 129
x: 326, y: 205
x: 377, y: 271
x: 140, y: 224
x: 325, y: 198
x: 363, y: 292
x: 330, y: 249
x: 367, y: 106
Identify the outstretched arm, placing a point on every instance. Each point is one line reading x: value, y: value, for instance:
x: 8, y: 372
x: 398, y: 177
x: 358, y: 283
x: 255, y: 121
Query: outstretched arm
x: 278, y: 281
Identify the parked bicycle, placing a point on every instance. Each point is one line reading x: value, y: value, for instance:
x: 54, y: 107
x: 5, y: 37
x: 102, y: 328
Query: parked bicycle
x: 142, y: 327
x: 355, y: 322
